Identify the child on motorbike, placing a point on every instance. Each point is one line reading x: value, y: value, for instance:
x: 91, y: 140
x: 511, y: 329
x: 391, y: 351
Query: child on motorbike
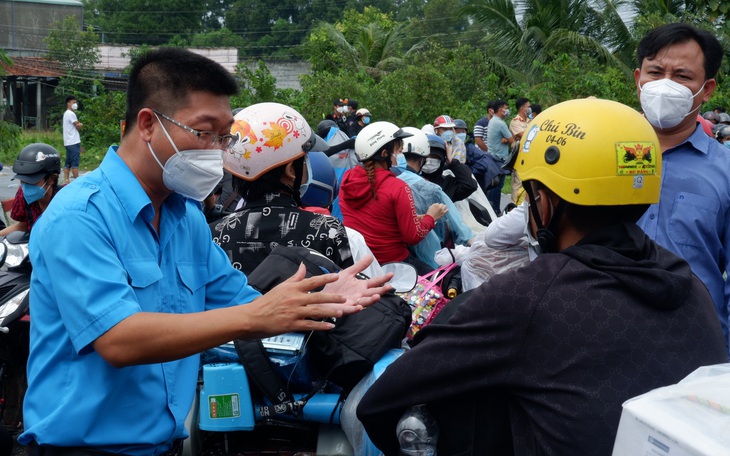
x: 271, y: 171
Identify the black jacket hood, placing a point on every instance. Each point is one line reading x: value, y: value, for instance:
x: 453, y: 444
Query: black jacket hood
x: 625, y: 252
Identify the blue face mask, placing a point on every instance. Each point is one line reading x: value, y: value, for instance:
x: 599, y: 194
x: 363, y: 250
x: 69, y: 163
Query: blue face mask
x: 366, y: 120
x: 727, y: 144
x: 447, y: 135
x: 32, y: 193
x: 461, y: 136
x: 401, y: 160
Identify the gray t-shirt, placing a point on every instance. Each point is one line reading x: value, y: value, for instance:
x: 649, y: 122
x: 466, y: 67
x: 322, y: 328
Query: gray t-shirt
x: 496, y: 130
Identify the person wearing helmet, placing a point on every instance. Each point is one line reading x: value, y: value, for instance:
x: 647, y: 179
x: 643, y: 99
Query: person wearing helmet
x: 416, y: 149
x: 272, y: 171
x: 37, y: 168
x: 723, y: 135
x: 444, y: 126
x: 378, y: 204
x: 128, y: 286
x: 458, y: 184
x: 362, y: 118
x: 485, y: 169
x: 541, y: 360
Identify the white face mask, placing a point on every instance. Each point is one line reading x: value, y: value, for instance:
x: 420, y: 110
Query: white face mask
x: 431, y: 166
x: 193, y: 174
x: 75, y: 106
x: 666, y: 103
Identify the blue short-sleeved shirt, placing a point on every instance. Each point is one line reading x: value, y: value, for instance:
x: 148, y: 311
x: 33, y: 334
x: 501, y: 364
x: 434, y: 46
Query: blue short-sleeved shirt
x: 114, y: 265
x: 692, y: 218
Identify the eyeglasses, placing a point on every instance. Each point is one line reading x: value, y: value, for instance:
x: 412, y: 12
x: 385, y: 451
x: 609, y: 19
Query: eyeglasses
x: 206, y: 139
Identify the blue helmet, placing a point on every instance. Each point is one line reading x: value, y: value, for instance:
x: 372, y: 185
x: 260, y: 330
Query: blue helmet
x: 322, y: 187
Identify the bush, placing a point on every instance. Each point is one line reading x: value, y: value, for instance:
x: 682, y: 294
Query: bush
x: 10, y: 142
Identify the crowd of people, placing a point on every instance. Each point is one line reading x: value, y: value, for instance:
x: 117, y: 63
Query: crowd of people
x: 625, y: 217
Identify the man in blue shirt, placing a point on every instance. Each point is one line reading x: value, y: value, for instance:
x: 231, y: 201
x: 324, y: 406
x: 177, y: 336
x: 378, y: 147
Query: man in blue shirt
x: 119, y: 319
x: 416, y: 150
x: 678, y: 64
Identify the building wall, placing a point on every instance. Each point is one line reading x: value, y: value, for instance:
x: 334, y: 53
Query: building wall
x: 24, y: 24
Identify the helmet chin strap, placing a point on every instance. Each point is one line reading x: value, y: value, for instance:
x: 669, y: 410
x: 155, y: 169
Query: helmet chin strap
x: 545, y: 235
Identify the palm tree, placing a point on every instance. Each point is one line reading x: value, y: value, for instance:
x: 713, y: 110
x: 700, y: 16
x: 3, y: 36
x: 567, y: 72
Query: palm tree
x: 375, y: 49
x: 522, y: 34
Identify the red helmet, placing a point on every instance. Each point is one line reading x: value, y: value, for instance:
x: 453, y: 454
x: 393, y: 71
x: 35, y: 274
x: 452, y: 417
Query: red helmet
x: 444, y: 122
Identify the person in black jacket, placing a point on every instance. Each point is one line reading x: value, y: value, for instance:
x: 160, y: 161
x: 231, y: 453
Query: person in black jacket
x: 460, y: 183
x: 539, y: 360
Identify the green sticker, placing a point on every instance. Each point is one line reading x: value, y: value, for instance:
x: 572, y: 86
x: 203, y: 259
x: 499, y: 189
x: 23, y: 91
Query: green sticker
x: 224, y: 406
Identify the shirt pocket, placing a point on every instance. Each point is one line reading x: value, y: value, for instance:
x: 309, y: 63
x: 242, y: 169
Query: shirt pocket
x: 142, y: 273
x: 693, y: 219
x: 194, y: 277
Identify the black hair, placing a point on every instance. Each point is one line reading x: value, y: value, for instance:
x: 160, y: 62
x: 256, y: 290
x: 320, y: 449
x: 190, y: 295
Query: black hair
x: 490, y: 105
x: 269, y: 182
x: 520, y: 102
x: 679, y: 32
x: 163, y: 79
x: 496, y: 104
x: 536, y: 109
x: 70, y: 97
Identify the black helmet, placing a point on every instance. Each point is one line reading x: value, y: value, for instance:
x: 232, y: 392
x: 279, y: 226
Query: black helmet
x: 35, y: 162
x: 438, y: 146
x: 323, y: 128
x: 460, y: 123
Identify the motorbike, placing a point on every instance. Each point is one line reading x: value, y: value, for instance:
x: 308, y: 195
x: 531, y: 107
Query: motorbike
x: 227, y: 417
x: 15, y: 272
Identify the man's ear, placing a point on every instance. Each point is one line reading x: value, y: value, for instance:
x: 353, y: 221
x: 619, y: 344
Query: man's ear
x: 146, y: 121
x: 545, y: 205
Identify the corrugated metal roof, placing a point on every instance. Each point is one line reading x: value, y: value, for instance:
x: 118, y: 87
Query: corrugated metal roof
x: 34, y: 66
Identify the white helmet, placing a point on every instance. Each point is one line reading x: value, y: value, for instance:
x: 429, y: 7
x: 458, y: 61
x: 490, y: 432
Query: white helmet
x: 416, y: 144
x: 268, y: 135
x: 374, y: 137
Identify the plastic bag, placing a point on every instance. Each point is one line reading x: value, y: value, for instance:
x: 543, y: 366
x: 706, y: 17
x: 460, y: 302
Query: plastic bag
x: 426, y: 299
x: 484, y: 262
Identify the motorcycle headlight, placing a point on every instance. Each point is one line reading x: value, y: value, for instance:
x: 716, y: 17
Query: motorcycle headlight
x: 16, y: 254
x: 11, y: 305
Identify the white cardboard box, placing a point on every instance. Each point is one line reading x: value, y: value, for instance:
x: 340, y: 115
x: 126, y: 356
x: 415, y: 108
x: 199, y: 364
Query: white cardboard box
x: 691, y: 418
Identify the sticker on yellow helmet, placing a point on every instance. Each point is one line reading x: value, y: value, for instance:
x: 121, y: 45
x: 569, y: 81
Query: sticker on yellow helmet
x: 636, y: 157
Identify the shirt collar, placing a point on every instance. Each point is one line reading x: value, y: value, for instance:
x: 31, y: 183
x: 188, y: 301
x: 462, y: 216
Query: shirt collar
x: 698, y: 140
x: 129, y: 191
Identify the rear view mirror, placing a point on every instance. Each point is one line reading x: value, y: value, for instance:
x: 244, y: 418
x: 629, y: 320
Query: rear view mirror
x: 404, y: 276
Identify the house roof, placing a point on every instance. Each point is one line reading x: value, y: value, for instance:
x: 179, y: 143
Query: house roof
x: 33, y: 66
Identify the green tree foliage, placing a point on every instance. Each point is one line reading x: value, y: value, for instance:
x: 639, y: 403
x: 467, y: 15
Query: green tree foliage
x: 258, y: 85
x: 517, y: 46
x: 145, y: 22
x: 101, y: 116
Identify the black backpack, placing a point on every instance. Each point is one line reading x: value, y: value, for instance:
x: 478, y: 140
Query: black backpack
x: 343, y: 355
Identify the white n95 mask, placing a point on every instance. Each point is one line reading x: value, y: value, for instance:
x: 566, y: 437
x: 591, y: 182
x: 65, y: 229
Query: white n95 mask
x: 666, y: 103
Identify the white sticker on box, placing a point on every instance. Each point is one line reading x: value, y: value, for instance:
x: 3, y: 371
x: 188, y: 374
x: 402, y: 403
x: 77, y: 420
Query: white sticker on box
x: 656, y: 446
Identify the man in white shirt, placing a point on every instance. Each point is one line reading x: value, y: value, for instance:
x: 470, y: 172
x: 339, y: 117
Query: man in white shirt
x: 71, y: 138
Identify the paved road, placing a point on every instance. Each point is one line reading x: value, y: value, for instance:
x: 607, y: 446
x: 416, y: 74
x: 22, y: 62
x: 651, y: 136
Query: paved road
x: 8, y: 187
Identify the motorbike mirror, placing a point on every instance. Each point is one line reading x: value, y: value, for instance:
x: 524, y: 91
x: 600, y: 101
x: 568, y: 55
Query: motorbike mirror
x: 404, y: 276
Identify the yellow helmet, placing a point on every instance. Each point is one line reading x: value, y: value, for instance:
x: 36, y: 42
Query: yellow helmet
x: 592, y: 152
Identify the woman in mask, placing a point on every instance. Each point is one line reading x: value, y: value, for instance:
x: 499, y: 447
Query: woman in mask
x: 37, y: 168
x: 271, y: 172
x: 381, y: 206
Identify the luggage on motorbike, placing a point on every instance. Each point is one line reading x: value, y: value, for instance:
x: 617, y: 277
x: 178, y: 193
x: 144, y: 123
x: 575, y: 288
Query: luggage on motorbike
x: 349, y: 351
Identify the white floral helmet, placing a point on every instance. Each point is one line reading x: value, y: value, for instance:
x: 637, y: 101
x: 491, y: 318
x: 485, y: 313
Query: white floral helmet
x: 373, y: 137
x: 268, y: 135
x: 417, y: 144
